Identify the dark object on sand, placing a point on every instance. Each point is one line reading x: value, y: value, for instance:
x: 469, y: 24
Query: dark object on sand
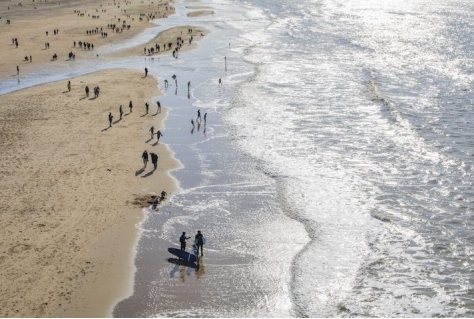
x: 182, y: 262
x: 183, y: 255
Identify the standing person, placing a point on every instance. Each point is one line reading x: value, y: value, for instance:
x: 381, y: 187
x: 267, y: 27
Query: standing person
x: 199, y: 239
x: 110, y: 119
x: 159, y: 107
x: 220, y: 81
x: 130, y: 105
x: 163, y: 195
x: 87, y: 91
x: 154, y: 160
x: 69, y: 86
x: 182, y: 241
x: 146, y: 107
x: 189, y: 85
x: 145, y: 158
x: 146, y: 72
x: 199, y: 116
x: 158, y: 134
x: 152, y: 131
x: 17, y: 70
x: 120, y: 111
x: 205, y: 115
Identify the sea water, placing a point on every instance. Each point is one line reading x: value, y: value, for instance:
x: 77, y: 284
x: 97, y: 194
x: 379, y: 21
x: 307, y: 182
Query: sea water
x: 353, y: 121
x: 362, y: 111
x: 333, y: 177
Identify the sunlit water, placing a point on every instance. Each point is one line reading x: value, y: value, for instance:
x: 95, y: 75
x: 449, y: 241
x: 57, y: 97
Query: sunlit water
x: 334, y: 176
x: 358, y: 116
x: 363, y: 111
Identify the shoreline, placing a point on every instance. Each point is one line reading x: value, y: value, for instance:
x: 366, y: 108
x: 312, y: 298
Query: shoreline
x: 212, y: 197
x: 87, y: 240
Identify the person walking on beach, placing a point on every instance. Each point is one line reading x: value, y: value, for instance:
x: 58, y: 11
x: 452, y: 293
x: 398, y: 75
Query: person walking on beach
x: 152, y: 132
x: 220, y: 81
x: 154, y: 160
x: 69, y: 86
x: 189, y: 85
x: 205, y: 115
x: 145, y: 158
x: 121, y: 112
x: 17, y: 70
x: 159, y: 107
x: 130, y: 105
x: 110, y: 119
x: 199, y: 240
x: 158, y: 134
x: 147, y: 106
x: 182, y: 241
x: 166, y: 84
x: 146, y: 72
x: 87, y: 91
x: 198, y: 116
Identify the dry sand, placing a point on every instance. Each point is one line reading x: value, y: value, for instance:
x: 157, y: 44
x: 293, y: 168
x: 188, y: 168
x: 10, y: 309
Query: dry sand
x: 164, y: 38
x: 29, y: 27
x: 67, y: 181
x: 72, y: 190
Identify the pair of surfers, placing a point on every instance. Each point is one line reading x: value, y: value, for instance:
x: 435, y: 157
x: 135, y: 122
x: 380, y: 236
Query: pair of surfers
x: 199, y: 241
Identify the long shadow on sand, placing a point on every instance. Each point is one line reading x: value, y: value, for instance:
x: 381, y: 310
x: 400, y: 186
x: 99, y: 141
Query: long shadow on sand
x: 148, y: 174
x: 141, y: 170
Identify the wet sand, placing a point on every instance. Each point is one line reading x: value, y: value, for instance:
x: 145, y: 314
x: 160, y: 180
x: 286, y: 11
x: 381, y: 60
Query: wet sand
x: 72, y: 187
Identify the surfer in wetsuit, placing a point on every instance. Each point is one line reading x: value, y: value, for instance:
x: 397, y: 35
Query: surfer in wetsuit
x: 182, y: 240
x: 199, y: 239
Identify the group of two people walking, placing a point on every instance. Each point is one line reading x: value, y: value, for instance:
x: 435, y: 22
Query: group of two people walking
x: 198, y: 241
x: 154, y: 159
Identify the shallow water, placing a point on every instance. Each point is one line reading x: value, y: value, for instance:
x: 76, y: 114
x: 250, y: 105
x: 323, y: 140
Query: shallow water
x: 334, y: 174
x: 364, y: 108
x: 250, y: 242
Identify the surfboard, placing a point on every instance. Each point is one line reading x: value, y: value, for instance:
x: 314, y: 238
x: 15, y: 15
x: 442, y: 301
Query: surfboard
x: 182, y: 262
x: 183, y: 254
x: 203, y: 241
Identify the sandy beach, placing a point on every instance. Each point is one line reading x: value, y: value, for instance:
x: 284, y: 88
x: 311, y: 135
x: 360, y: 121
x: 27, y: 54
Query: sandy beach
x: 73, y: 187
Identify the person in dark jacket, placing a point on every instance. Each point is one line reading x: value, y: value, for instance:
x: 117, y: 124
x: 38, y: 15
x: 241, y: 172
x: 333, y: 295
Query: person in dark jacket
x: 145, y: 158
x: 199, y: 240
x: 154, y: 160
x: 182, y: 241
